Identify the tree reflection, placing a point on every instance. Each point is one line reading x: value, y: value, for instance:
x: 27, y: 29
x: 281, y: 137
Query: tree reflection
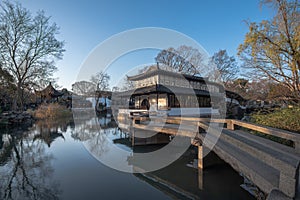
x: 50, y: 130
x: 89, y: 132
x: 92, y: 131
x: 26, y: 168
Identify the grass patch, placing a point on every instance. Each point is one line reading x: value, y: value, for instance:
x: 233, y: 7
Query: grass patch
x: 287, y: 119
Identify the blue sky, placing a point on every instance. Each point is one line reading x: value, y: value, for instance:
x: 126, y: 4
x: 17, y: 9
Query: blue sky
x: 84, y: 24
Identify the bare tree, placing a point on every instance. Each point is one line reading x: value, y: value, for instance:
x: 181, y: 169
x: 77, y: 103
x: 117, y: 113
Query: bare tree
x: 28, y: 46
x: 226, y: 65
x: 184, y: 59
x: 101, y: 81
x: 272, y: 47
x: 126, y: 84
x: 279, y: 93
x: 84, y: 88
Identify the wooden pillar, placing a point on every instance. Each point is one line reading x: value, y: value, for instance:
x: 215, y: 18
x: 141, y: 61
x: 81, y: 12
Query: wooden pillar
x: 200, y: 166
x: 200, y: 179
x: 156, y: 101
x: 132, y: 131
x: 200, y: 157
x: 132, y: 137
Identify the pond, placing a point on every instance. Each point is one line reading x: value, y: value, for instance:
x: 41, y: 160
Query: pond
x: 52, y: 160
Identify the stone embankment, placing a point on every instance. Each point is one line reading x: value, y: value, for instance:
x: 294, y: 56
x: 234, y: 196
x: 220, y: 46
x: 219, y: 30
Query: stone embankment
x: 16, y: 117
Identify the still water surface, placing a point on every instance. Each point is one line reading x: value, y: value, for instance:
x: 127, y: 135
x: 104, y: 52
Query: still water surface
x: 50, y: 161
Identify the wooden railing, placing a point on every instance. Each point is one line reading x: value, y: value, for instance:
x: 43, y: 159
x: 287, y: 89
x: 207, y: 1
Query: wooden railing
x: 231, y: 125
x: 283, y: 134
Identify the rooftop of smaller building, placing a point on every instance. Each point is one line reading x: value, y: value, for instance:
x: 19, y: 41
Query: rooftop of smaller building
x: 50, y: 90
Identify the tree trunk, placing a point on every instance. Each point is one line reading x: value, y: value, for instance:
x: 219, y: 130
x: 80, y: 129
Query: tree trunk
x: 97, y: 96
x: 20, y: 99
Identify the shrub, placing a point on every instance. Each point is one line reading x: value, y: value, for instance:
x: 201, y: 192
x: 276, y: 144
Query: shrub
x: 287, y: 119
x: 52, y: 111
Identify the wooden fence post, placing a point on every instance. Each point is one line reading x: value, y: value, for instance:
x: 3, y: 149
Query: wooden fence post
x: 200, y: 156
x: 132, y: 131
x: 230, y: 124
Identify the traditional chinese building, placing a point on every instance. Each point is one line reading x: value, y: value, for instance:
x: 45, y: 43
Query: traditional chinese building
x: 49, y: 94
x: 174, y: 93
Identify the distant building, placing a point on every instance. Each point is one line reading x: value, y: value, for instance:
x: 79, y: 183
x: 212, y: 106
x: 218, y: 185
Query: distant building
x: 48, y: 95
